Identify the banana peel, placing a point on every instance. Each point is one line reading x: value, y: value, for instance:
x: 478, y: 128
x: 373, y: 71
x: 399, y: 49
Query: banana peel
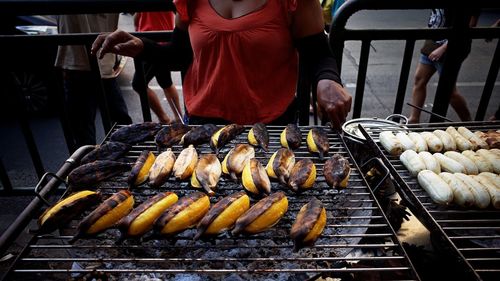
x: 263, y: 215
x: 111, y: 150
x: 258, y: 136
x: 303, y: 175
x: 140, y: 171
x: 309, y: 224
x: 224, y: 136
x: 207, y: 173
x: 185, y: 163
x: 90, y: 174
x: 223, y: 214
x: 135, y: 133
x: 291, y: 137
x: 337, y: 171
x: 162, y: 168
x: 317, y: 142
x: 171, y: 134
x: 198, y: 135
x: 280, y: 165
x: 255, y: 179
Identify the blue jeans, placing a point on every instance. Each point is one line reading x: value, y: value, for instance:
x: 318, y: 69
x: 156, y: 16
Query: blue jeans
x: 438, y: 65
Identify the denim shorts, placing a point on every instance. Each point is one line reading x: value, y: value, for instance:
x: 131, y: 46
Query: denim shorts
x: 437, y: 64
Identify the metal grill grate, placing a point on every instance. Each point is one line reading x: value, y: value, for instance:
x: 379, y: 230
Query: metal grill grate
x: 357, y: 239
x: 471, y: 236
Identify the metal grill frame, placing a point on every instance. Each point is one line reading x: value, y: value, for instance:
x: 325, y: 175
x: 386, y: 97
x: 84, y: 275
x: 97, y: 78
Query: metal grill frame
x: 377, y: 220
x: 432, y: 216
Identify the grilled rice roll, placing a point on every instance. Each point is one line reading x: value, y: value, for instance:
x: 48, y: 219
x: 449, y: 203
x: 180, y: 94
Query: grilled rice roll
x: 111, y: 150
x: 337, y: 171
x: 224, y: 136
x: 317, y: 142
x: 171, y: 134
x: 184, y: 214
x: 198, y: 135
x: 236, y: 159
x: 207, y: 173
x: 280, y: 165
x: 255, y: 179
x: 142, y: 218
x: 90, y: 174
x: 135, y: 133
x: 258, y: 136
x: 303, y: 175
x: 291, y: 137
x: 106, y: 215
x: 66, y: 209
x: 223, y: 214
x: 162, y: 168
x: 309, y: 224
x: 140, y: 171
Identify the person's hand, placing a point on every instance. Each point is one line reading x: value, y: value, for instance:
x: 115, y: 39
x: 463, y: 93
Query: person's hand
x: 437, y: 53
x: 117, y: 42
x: 334, y: 102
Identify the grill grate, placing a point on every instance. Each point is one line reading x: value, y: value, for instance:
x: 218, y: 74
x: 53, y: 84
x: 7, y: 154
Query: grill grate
x: 357, y: 238
x: 471, y: 235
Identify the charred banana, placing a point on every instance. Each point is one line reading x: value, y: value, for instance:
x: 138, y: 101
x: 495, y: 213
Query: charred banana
x: 92, y: 173
x: 303, y: 175
x: 135, y: 133
x: 280, y: 165
x: 162, y: 168
x: 258, y: 136
x: 140, y: 171
x: 198, y: 135
x: 309, y: 224
x: 337, y: 171
x: 291, y: 137
x: 474, y: 139
x: 317, y: 142
x: 223, y: 214
x: 236, y: 159
x: 225, y: 135
x: 184, y: 214
x: 263, y: 215
x: 109, y: 151
x: 171, y: 134
x: 207, y: 173
x: 255, y: 179
x: 185, y: 163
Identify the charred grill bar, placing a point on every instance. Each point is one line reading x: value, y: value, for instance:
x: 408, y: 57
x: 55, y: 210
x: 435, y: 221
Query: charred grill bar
x: 470, y: 237
x: 357, y: 239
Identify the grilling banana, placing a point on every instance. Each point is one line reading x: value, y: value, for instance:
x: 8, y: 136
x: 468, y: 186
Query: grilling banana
x: 184, y: 214
x: 66, y: 209
x: 437, y: 189
x: 317, y: 142
x: 461, y: 142
x: 225, y: 135
x: 405, y: 141
x: 482, y: 164
x: 418, y: 140
x: 223, y: 214
x: 255, y: 179
x: 171, y: 134
x: 309, y: 224
x: 258, y: 136
x: 433, y: 142
x: 462, y: 195
x: 291, y: 137
x: 92, y: 173
x: 412, y: 161
x: 303, y: 175
x: 337, y: 171
x: 162, y: 168
x: 207, y: 173
x: 135, y: 133
x: 448, y: 164
x: 474, y: 139
x: 492, y: 158
x: 481, y: 195
x: 492, y: 138
x: 390, y: 143
x: 263, y: 215
x: 185, y: 163
x: 106, y: 214
x: 280, y: 165
x: 447, y: 140
x: 469, y: 165
x: 142, y: 218
x: 236, y: 159
x: 198, y: 135
x: 140, y: 171
x: 494, y: 178
x: 492, y: 188
x: 109, y: 151
x: 431, y: 163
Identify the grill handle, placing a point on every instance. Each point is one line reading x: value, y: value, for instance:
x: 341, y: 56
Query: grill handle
x: 379, y: 164
x: 40, y: 184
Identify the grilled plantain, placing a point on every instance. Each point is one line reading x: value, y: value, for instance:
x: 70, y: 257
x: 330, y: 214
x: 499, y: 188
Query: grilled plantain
x: 337, y: 171
x: 258, y: 136
x: 185, y: 163
x: 135, y: 133
x: 106, y: 214
x: 142, y: 218
x: 162, y: 168
x: 66, y: 209
x: 263, y: 215
x: 280, y: 165
x: 223, y: 214
x: 236, y: 159
x: 171, y: 134
x: 198, y: 135
x: 92, y: 173
x: 303, y: 175
x: 255, y: 179
x: 225, y: 135
x: 109, y: 151
x: 207, y: 173
x: 309, y: 224
x: 140, y: 172
x: 317, y: 142
x: 184, y: 214
x: 291, y: 137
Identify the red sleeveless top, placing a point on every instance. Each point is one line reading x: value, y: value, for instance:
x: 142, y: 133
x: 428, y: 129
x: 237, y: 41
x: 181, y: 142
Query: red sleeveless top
x: 244, y: 69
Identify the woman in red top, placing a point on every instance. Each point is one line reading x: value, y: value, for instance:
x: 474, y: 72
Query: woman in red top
x: 244, y: 59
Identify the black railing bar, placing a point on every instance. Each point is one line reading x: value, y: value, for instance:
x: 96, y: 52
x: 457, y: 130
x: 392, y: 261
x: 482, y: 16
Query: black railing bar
x: 374, y: 225
x: 403, y: 76
x: 204, y: 246
x: 471, y: 227
x: 465, y: 212
x: 462, y: 221
x: 4, y: 179
x: 416, y: 33
x: 483, y: 237
x: 489, y: 84
x: 486, y: 259
x: 360, y: 82
x: 143, y: 95
x: 480, y: 249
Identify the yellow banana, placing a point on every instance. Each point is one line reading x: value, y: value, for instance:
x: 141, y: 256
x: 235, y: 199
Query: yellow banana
x: 317, y: 142
x: 291, y: 137
x: 309, y: 224
x: 258, y: 136
x: 303, y: 175
x: 140, y: 170
x: 162, y: 168
x: 337, y: 171
x: 224, y: 136
x: 207, y: 173
x: 280, y: 165
x: 255, y: 179
x: 237, y: 158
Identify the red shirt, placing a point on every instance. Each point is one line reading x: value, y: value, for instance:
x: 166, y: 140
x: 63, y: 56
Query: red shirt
x: 155, y: 21
x: 244, y: 69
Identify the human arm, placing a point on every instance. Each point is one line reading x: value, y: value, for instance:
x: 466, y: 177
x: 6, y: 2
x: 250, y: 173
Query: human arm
x: 438, y: 52
x: 334, y: 101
